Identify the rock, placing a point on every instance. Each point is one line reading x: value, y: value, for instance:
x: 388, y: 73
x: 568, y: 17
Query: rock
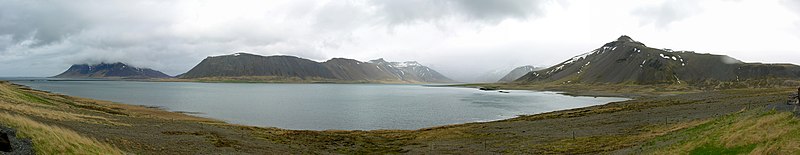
x: 519, y: 72
x: 5, y: 143
x: 11, y: 145
x: 487, y: 88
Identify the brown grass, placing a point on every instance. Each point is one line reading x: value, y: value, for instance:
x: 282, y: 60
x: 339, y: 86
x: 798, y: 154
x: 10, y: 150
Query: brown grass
x: 43, y: 112
x: 55, y: 140
x: 40, y: 104
x: 753, y: 129
x: 596, y: 144
x: 745, y: 132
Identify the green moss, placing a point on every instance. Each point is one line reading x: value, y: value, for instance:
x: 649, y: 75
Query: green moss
x: 715, y: 149
x: 49, y: 139
x: 708, y: 138
x: 33, y: 98
x: 95, y: 108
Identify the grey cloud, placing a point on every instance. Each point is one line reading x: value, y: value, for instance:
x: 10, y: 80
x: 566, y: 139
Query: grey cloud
x: 44, y: 37
x: 335, y: 21
x: 669, y: 11
x: 46, y: 21
x: 497, y: 10
x: 794, y: 6
x: 142, y: 33
x: 338, y: 15
x: 489, y: 11
x: 149, y: 33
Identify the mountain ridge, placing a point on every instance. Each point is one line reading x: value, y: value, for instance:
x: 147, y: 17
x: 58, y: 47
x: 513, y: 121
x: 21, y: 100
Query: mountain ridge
x: 335, y: 69
x: 628, y: 61
x: 110, y: 70
x: 518, y: 72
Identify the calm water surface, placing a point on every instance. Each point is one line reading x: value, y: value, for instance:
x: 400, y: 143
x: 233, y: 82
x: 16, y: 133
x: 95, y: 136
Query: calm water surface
x: 325, y: 106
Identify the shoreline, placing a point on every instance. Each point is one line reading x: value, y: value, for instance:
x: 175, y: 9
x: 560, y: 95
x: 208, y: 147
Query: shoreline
x: 202, y: 80
x: 594, y: 90
x: 607, y: 128
x: 200, y: 113
x: 156, y: 109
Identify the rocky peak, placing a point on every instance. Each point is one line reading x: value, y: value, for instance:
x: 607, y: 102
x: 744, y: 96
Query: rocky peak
x: 234, y: 55
x: 625, y: 38
x: 378, y: 61
x: 343, y: 60
x: 102, y: 65
x: 406, y: 64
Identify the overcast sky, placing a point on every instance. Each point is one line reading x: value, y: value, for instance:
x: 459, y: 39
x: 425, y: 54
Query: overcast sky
x: 462, y: 39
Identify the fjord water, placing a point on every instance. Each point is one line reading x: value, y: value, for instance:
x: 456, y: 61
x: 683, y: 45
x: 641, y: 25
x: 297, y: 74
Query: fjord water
x: 324, y: 106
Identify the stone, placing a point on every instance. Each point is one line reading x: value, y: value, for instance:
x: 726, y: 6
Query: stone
x: 5, y: 143
x: 10, y: 144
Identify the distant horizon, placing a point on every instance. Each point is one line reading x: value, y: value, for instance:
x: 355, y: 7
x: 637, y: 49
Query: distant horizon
x: 320, y: 61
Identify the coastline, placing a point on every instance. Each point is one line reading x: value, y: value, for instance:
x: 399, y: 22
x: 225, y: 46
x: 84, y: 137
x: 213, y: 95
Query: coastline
x: 227, y: 80
x: 273, y: 79
x: 593, y: 90
x: 255, y: 119
x: 143, y: 130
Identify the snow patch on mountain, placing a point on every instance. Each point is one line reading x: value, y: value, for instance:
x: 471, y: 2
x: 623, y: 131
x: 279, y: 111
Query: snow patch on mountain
x: 406, y: 64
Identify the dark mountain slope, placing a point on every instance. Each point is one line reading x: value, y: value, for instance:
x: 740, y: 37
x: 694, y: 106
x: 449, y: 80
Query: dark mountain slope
x: 244, y: 64
x: 628, y: 61
x: 518, y: 72
x: 411, y: 71
x: 112, y: 70
x: 349, y: 69
x: 337, y: 69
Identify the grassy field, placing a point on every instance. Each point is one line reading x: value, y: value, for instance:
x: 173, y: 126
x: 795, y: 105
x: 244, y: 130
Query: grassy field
x: 759, y: 131
x: 48, y: 139
x: 664, y: 120
x: 55, y: 140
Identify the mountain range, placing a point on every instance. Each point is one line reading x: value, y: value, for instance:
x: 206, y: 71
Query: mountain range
x: 110, y: 70
x: 623, y: 61
x: 336, y: 69
x: 626, y: 61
